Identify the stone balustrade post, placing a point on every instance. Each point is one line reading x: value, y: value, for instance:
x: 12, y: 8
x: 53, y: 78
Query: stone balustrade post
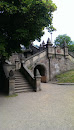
x: 38, y: 81
x: 17, y: 64
x: 43, y: 45
x: 40, y: 48
x: 11, y: 82
x: 65, y: 49
x: 55, y: 51
x: 49, y: 48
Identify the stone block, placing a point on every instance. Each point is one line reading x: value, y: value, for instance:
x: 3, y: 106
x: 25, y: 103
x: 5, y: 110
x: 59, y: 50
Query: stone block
x: 11, y: 86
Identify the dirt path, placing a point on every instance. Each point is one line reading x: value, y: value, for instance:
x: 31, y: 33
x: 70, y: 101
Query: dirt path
x: 50, y: 109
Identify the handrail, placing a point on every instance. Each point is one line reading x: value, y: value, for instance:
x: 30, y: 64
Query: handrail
x: 71, y: 54
x: 35, y: 55
x: 28, y: 71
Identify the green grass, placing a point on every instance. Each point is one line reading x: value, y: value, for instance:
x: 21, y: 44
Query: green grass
x: 14, y: 95
x: 67, y: 77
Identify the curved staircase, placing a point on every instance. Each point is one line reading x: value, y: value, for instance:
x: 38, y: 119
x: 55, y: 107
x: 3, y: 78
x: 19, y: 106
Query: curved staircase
x: 21, y: 84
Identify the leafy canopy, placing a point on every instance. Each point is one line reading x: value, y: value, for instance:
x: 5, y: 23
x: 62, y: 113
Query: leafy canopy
x: 22, y: 21
x: 61, y: 39
x: 71, y: 47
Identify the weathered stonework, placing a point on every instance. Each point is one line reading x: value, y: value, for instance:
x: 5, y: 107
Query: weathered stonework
x: 38, y: 80
x: 11, y: 85
x: 60, y: 65
x: 7, y: 69
x: 55, y: 59
x: 50, y: 61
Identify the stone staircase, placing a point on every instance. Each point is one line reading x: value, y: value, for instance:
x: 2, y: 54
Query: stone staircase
x: 21, y: 84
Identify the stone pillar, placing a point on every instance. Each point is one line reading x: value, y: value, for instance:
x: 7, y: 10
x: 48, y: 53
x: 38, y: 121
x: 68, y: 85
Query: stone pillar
x: 43, y: 45
x: 11, y: 86
x: 49, y: 48
x: 40, y: 48
x: 38, y: 81
x: 50, y: 69
x: 55, y: 51
x: 50, y: 52
x: 65, y: 49
x: 17, y: 64
x: 11, y: 82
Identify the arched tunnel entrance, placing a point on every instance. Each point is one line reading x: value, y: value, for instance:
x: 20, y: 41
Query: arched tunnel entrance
x: 42, y: 71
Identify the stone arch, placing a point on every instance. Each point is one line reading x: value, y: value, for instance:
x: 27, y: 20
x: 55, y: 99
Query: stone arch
x: 42, y: 70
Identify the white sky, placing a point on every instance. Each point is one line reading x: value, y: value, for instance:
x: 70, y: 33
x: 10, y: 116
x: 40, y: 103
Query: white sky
x: 63, y: 20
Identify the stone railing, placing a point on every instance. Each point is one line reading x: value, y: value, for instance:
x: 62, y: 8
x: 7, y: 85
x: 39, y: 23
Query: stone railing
x: 34, y: 58
x: 71, y: 54
x: 56, y: 51
x: 48, y: 52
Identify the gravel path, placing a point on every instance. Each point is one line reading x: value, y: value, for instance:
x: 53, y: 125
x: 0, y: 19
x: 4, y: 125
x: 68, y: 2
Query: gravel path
x: 50, y: 109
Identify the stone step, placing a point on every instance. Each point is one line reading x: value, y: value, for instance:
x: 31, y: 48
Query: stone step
x: 20, y: 79
x: 21, y: 84
x: 18, y: 74
x: 20, y: 91
x: 21, y: 88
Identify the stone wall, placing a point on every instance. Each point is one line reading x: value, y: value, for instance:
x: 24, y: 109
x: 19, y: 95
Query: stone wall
x: 14, y: 57
x: 7, y: 68
x: 60, y: 65
x: 54, y: 59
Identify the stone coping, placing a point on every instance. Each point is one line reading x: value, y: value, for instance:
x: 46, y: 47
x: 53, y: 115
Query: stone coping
x: 35, y: 55
x: 53, y: 82
x: 65, y: 83
x: 71, y: 54
x: 28, y: 71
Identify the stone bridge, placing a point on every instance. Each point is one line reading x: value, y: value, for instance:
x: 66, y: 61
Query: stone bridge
x: 43, y: 66
x: 50, y: 62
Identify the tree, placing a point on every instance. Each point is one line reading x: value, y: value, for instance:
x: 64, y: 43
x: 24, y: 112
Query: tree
x: 71, y: 47
x: 22, y: 21
x: 61, y: 39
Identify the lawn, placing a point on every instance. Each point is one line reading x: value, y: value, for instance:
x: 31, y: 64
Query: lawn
x: 67, y: 77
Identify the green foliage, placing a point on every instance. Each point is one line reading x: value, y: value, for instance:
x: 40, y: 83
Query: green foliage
x: 61, y: 39
x: 22, y: 21
x: 2, y: 46
x: 2, y: 51
x: 51, y: 28
x: 71, y: 47
x: 14, y: 95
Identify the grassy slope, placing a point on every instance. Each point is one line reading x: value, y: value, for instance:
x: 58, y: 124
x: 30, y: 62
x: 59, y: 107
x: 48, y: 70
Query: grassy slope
x: 67, y: 77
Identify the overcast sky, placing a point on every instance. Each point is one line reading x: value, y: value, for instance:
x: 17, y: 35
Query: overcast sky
x: 63, y: 20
